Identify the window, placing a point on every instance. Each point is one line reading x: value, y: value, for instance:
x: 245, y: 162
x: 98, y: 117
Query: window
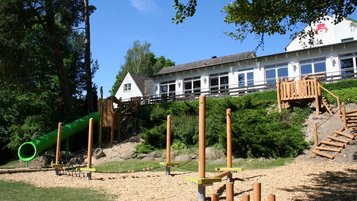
x: 272, y: 73
x: 348, y: 65
x: 168, y: 88
x: 313, y: 66
x: 245, y: 79
x: 127, y: 87
x: 219, y: 82
x: 192, y: 85
x: 346, y: 40
x: 347, y: 68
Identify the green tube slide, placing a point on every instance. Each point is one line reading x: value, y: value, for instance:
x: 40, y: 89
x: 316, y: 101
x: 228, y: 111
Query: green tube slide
x: 29, y: 150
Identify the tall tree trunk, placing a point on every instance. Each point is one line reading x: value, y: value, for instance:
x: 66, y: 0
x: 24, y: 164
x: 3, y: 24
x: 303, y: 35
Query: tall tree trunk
x: 58, y: 58
x: 87, y: 60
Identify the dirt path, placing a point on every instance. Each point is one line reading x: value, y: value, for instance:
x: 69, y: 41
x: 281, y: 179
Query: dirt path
x: 301, y: 180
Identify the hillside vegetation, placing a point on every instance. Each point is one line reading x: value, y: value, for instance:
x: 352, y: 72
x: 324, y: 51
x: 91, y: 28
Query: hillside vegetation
x: 259, y: 130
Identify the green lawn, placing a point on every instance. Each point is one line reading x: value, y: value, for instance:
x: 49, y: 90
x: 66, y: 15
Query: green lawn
x: 18, y: 191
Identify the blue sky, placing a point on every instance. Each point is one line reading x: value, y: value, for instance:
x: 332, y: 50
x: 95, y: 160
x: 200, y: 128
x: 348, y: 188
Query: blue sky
x: 116, y: 24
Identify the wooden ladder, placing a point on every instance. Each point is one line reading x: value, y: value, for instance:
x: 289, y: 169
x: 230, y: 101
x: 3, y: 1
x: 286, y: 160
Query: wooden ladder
x: 333, y: 144
x: 327, y: 106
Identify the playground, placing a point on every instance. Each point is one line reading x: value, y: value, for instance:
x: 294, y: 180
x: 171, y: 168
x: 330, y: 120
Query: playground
x: 310, y: 176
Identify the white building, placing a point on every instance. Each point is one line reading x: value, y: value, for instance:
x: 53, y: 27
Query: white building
x: 133, y: 85
x: 335, y: 57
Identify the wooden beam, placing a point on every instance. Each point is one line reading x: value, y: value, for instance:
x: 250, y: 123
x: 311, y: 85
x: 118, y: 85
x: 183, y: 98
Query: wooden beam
x: 323, y: 154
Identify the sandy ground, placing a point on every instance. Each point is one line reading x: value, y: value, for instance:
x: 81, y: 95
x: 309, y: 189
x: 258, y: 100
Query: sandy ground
x: 301, y: 180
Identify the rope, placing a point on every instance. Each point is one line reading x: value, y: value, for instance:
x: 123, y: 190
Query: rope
x: 331, y: 116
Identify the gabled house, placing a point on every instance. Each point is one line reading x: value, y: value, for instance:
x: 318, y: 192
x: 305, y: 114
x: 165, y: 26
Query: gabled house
x: 132, y: 86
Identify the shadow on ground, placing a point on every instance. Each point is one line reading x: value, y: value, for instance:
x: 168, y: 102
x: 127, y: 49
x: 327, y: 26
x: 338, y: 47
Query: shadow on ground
x: 336, y: 186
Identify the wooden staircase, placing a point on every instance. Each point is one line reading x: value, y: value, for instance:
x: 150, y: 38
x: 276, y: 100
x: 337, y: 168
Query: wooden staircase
x: 333, y: 144
x: 327, y: 106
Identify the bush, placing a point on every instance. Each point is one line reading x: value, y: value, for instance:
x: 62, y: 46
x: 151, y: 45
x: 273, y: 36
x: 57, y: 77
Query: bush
x: 256, y: 131
x: 178, y: 145
x: 345, y: 89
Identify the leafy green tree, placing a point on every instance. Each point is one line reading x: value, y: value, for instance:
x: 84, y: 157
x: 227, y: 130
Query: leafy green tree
x: 30, y: 83
x: 268, y: 17
x: 140, y: 60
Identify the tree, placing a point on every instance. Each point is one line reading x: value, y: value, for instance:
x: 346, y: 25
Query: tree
x: 87, y: 59
x: 268, y: 17
x: 32, y: 101
x: 140, y: 60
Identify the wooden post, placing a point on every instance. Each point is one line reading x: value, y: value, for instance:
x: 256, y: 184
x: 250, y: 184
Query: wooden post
x: 278, y: 94
x: 58, y: 147
x: 214, y: 197
x: 257, y: 191
x: 271, y: 197
x: 317, y: 97
x: 229, y: 138
x: 339, y: 105
x: 246, y: 197
x: 100, y: 117
x: 168, y: 144
x: 202, y: 137
x: 90, y: 144
x: 344, y: 118
x: 229, y: 191
x: 201, y: 147
x: 316, y: 135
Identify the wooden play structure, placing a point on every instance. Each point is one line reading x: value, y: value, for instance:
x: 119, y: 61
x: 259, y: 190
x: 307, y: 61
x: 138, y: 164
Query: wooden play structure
x: 202, y: 181
x: 113, y: 118
x: 61, y: 169
x: 311, y: 90
x: 303, y: 89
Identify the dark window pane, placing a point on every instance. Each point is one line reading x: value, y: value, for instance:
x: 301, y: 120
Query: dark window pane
x: 250, y: 79
x: 163, y: 88
x: 188, y: 85
x: 283, y: 72
x: 320, y: 67
x: 241, y: 82
x: 347, y: 68
x: 224, y: 80
x: 197, y: 86
x: 306, y: 69
x: 270, y: 76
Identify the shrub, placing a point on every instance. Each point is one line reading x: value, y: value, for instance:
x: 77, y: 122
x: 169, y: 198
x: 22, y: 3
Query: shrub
x: 257, y: 132
x: 178, y: 145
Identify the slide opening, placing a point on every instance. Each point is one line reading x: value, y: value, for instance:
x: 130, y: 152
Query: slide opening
x: 27, y: 151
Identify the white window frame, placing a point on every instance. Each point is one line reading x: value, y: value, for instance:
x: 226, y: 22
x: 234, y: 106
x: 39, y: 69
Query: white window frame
x: 276, y: 67
x: 312, y: 62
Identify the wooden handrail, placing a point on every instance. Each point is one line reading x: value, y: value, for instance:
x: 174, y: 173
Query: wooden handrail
x: 328, y: 91
x: 332, y: 94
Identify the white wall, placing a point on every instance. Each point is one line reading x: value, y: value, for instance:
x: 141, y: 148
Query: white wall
x: 134, y: 92
x: 327, y: 33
